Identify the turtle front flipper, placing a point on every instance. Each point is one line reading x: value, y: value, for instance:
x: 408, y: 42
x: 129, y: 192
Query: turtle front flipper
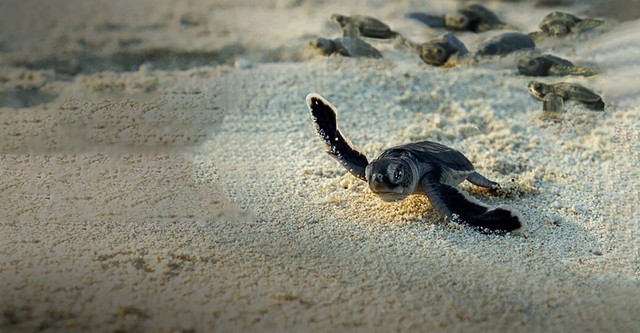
x: 552, y: 103
x: 325, y: 121
x: 585, y: 24
x: 412, y: 46
x: 460, y: 208
x: 561, y: 70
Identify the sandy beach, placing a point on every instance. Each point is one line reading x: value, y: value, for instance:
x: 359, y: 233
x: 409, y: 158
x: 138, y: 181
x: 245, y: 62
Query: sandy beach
x: 159, y: 172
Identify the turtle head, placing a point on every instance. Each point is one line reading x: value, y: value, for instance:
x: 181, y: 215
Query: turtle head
x: 392, y: 178
x: 434, y: 54
x: 529, y: 66
x: 538, y: 89
x: 324, y: 46
x: 456, y: 21
x: 558, y: 29
x: 340, y: 20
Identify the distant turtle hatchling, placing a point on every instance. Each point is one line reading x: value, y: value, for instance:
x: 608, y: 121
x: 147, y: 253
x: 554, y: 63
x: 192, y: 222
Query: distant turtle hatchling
x: 345, y: 46
x: 437, y: 51
x: 363, y: 26
x: 549, y: 65
x: 554, y: 95
x: 506, y: 43
x: 558, y: 24
x: 423, y: 167
x: 474, y: 17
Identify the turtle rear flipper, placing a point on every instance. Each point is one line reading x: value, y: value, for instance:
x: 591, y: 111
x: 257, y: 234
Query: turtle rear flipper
x: 457, y: 207
x: 433, y: 21
x: 561, y: 70
x: 479, y: 180
x: 553, y: 103
x: 325, y: 121
x: 585, y: 24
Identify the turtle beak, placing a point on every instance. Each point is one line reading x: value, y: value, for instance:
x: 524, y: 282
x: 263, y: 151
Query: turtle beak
x: 367, y: 172
x: 377, y: 182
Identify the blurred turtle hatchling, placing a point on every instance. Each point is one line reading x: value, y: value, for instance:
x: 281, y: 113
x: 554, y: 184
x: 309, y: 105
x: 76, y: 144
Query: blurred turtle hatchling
x: 363, y: 26
x: 474, y: 17
x: 549, y: 65
x: 345, y: 46
x: 557, y: 24
x: 445, y: 50
x: 554, y: 95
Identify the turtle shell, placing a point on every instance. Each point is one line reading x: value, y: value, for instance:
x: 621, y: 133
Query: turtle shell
x: 506, y: 43
x: 428, y: 152
x: 539, y: 66
x: 555, y: 18
x: 576, y: 92
x: 371, y: 27
x: 356, y: 47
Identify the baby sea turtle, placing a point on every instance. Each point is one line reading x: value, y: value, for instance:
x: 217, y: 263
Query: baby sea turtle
x: 363, y: 26
x: 506, y: 43
x: 474, y: 17
x: 423, y: 167
x: 346, y: 46
x: 554, y: 95
x: 549, y: 65
x: 437, y: 51
x: 557, y: 24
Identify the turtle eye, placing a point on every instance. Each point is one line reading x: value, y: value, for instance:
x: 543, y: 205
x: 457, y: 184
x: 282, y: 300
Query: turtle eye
x: 537, y: 86
x: 397, y: 174
x: 532, y: 62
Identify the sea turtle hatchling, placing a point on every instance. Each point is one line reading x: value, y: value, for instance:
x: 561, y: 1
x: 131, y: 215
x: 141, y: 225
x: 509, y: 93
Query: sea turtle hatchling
x: 345, y: 46
x: 474, y: 17
x: 549, y: 65
x: 554, y: 95
x: 506, y: 43
x: 363, y: 26
x: 558, y: 24
x: 438, y: 51
x: 423, y: 167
